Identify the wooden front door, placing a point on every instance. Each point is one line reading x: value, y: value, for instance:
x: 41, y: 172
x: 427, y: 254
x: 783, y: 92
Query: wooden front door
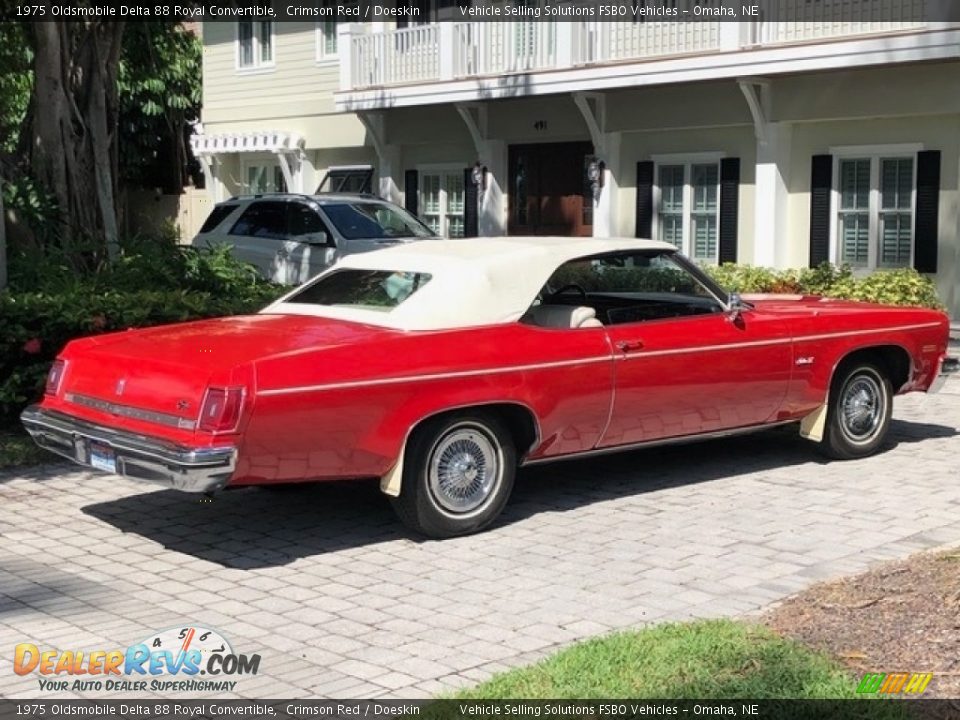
x: 549, y: 193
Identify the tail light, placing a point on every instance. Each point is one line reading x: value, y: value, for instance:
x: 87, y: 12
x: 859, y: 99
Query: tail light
x: 55, y: 377
x: 220, y: 411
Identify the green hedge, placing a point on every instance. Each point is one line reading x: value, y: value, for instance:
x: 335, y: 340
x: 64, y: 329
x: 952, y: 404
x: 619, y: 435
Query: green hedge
x: 38, y: 325
x: 155, y: 281
x: 890, y: 287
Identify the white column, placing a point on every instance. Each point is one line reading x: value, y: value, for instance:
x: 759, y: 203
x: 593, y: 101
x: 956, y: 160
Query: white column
x: 448, y: 49
x: 389, y: 172
x: 493, y: 209
x: 770, y: 236
x: 345, y: 33
x: 606, y: 223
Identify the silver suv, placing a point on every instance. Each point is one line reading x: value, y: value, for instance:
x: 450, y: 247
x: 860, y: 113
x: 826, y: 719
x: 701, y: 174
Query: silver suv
x: 291, y: 237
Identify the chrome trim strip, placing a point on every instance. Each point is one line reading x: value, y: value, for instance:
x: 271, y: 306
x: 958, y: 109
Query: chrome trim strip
x: 139, y: 457
x: 435, y: 376
x: 827, y: 336
x: 154, y: 416
x: 676, y: 440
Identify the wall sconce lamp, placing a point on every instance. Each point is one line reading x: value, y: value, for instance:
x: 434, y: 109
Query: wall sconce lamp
x: 480, y: 177
x: 595, y: 173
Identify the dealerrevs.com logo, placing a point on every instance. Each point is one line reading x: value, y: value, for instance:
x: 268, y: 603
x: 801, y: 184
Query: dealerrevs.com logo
x: 189, y: 659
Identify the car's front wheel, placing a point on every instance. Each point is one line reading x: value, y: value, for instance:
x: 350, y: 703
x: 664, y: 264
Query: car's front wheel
x: 458, y: 475
x: 861, y: 404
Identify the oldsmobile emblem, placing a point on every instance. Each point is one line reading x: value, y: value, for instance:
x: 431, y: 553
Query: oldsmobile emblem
x: 121, y: 384
x: 182, y: 404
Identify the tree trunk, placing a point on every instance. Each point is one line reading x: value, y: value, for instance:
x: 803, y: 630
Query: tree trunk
x: 73, y: 132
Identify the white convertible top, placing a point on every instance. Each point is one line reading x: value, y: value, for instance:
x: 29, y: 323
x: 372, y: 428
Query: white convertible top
x: 475, y: 281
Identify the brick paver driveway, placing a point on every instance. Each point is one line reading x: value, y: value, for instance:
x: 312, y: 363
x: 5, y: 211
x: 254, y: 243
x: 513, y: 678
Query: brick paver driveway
x: 341, y: 602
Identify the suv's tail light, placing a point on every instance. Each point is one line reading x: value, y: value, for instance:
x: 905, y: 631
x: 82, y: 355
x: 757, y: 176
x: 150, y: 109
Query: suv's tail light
x: 220, y: 411
x: 55, y: 377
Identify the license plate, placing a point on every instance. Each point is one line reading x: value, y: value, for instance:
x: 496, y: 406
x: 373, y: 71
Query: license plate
x: 102, y: 457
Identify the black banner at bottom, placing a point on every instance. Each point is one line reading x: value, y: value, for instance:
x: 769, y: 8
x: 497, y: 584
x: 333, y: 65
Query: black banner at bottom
x: 153, y: 709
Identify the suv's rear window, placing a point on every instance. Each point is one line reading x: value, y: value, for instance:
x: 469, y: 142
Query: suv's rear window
x: 217, y: 216
x: 370, y: 289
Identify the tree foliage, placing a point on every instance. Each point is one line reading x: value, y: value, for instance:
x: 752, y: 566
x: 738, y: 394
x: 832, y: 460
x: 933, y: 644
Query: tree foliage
x: 88, y: 107
x: 160, y: 93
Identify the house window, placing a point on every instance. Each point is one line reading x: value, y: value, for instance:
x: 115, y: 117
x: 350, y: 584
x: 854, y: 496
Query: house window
x: 262, y: 178
x: 327, y: 39
x: 874, y: 205
x: 688, y: 208
x: 254, y: 44
x: 442, y: 201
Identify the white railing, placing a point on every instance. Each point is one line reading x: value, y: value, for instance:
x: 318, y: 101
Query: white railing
x: 451, y: 51
x: 810, y: 20
x: 500, y: 48
x: 399, y: 57
x: 599, y: 42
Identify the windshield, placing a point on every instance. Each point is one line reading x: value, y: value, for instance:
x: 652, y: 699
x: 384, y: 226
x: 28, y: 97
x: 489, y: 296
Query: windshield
x: 371, y: 220
x: 380, y: 290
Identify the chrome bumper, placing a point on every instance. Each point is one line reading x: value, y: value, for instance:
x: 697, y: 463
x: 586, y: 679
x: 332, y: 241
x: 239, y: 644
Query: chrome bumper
x: 948, y: 366
x: 138, y: 457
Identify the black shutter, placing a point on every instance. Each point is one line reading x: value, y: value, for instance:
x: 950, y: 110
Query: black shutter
x: 644, y: 209
x: 471, y: 215
x: 928, y: 210
x: 410, y: 190
x: 729, y: 209
x: 821, y: 181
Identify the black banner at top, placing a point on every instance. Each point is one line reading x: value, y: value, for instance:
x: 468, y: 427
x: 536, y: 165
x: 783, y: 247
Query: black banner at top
x: 414, y: 12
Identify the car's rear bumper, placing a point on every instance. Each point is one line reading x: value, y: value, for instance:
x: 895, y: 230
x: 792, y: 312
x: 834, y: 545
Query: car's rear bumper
x: 948, y: 366
x: 139, y: 457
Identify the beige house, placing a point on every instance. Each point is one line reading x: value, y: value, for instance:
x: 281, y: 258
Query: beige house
x: 826, y: 130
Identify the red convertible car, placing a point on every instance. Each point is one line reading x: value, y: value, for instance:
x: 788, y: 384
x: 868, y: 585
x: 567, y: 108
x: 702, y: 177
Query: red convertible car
x: 440, y: 367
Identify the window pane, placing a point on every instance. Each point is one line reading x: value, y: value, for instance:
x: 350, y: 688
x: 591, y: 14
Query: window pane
x: 329, y: 37
x: 704, y: 231
x: 671, y: 188
x: 454, y: 186
x: 895, y: 239
x: 671, y: 230
x: 303, y: 220
x: 896, y: 183
x: 245, y: 39
x: 703, y: 179
x: 266, y: 42
x: 430, y: 194
x: 854, y: 184
x: 854, y: 238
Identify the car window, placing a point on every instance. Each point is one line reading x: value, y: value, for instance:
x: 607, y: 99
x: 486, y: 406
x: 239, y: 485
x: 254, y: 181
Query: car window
x: 370, y: 289
x: 265, y: 219
x: 217, y: 216
x: 304, y: 220
x: 361, y: 220
x: 632, y: 287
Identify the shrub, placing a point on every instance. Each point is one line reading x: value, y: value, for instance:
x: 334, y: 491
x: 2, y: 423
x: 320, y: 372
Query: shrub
x: 153, y: 282
x: 891, y: 287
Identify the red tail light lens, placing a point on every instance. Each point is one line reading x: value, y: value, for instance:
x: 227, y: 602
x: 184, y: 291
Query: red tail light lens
x: 221, y: 409
x: 54, y: 377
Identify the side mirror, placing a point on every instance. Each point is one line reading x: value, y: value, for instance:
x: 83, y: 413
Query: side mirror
x: 735, y: 306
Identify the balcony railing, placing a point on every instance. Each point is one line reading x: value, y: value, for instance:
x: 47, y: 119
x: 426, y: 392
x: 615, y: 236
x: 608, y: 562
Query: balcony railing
x: 453, y: 51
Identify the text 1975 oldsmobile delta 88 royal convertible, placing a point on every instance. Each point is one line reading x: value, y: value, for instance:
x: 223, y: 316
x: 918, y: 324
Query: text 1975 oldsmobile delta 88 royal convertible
x: 440, y: 367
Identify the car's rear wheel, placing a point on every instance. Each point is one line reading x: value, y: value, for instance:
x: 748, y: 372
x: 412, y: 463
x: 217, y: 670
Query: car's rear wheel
x: 861, y: 404
x: 458, y: 475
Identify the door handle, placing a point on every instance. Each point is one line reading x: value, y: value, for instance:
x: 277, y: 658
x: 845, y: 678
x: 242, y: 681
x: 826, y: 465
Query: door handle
x: 629, y: 345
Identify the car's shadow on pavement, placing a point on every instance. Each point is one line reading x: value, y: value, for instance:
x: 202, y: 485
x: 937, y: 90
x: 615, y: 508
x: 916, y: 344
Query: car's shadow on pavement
x: 256, y: 527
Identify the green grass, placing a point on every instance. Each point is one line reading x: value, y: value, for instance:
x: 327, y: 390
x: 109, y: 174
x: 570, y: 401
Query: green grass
x: 701, y: 660
x: 18, y: 450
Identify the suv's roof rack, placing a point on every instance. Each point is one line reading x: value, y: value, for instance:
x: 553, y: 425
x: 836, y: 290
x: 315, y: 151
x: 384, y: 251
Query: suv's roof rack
x: 267, y: 194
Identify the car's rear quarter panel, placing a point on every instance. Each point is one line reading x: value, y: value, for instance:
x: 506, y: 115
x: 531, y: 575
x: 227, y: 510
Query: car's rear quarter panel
x: 346, y: 412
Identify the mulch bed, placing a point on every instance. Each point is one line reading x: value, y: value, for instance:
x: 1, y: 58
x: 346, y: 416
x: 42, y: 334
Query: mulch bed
x: 903, y: 616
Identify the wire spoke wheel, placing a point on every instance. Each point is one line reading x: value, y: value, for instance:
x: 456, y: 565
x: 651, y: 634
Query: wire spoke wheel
x: 861, y: 408
x: 464, y: 468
